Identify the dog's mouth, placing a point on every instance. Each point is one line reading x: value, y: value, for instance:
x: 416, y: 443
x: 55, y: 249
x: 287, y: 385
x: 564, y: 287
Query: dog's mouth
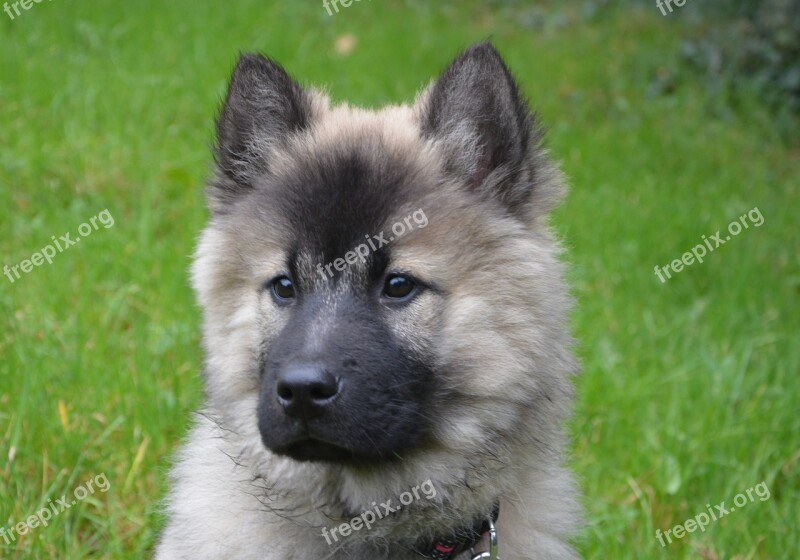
x: 313, y: 449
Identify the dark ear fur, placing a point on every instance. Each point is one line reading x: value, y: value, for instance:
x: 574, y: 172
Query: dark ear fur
x: 477, y: 114
x: 264, y: 105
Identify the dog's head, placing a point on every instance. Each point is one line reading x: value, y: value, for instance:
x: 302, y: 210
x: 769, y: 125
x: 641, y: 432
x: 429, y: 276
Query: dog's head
x: 380, y: 285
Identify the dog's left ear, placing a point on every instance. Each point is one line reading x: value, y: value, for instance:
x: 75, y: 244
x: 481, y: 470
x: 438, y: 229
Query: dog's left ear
x: 477, y: 115
x: 263, y: 107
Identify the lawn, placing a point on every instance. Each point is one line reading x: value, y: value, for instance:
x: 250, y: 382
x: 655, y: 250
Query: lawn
x: 690, y: 390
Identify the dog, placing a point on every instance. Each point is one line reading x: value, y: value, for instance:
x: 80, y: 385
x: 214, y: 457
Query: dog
x: 388, y: 363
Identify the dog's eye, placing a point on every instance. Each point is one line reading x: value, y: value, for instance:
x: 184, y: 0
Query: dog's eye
x: 398, y: 286
x: 282, y: 289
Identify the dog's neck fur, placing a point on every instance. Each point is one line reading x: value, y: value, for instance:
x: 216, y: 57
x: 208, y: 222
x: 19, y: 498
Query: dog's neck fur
x: 281, y: 486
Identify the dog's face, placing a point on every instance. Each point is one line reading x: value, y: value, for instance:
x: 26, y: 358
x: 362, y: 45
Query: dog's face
x: 380, y: 284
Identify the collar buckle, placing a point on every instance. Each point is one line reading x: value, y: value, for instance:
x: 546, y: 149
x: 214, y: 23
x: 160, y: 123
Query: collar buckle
x: 492, y: 553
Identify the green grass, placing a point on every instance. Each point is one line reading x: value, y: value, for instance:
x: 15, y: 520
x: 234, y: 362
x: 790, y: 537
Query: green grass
x: 690, y: 388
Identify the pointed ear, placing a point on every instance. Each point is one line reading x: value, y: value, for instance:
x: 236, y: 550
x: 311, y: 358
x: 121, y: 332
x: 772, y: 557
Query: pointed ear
x: 263, y: 107
x: 477, y: 115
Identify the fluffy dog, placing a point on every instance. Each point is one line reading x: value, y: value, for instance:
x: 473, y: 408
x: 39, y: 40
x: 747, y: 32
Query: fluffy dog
x: 388, y: 361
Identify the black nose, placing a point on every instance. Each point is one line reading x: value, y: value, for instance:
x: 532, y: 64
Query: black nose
x: 306, y: 390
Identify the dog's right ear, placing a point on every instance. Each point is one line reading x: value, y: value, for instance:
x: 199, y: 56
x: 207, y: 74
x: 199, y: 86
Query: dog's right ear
x: 263, y: 107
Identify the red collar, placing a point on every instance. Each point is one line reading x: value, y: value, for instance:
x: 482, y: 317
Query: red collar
x: 462, y: 539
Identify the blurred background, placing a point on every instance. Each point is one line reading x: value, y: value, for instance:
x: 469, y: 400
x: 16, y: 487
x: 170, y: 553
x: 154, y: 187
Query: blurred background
x: 670, y: 121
